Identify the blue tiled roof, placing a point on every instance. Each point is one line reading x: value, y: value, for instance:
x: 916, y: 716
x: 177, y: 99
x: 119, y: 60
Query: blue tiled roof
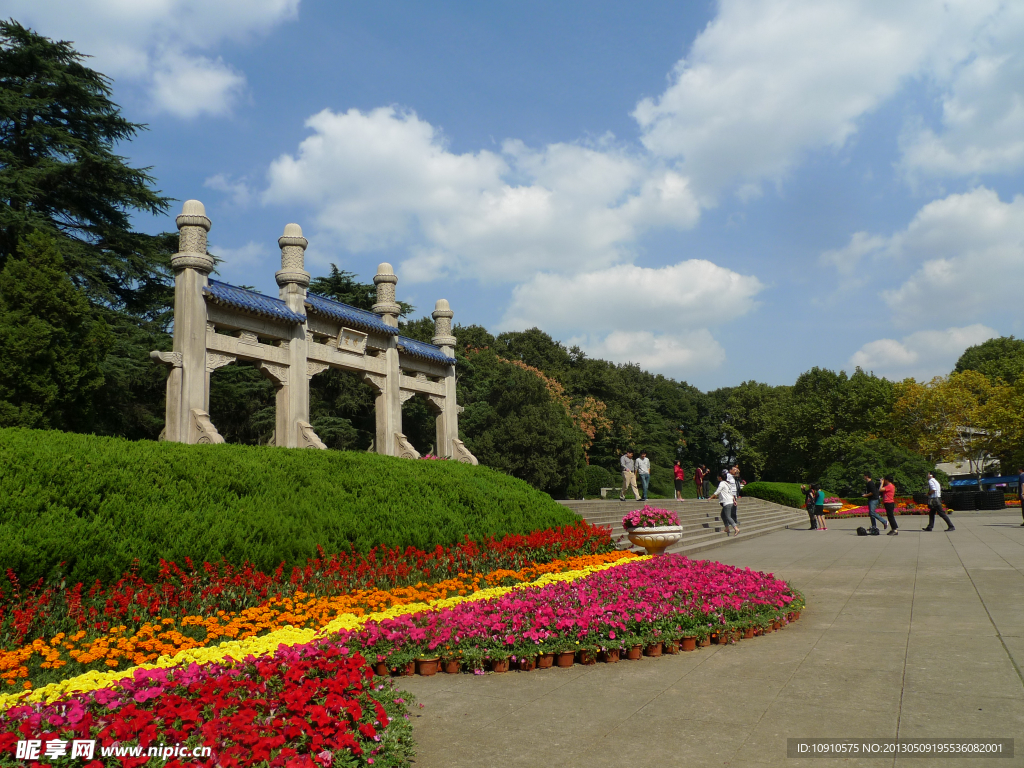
x: 359, y: 318
x: 250, y: 301
x: 421, y: 349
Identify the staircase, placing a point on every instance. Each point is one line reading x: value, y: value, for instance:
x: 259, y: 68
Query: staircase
x: 701, y: 520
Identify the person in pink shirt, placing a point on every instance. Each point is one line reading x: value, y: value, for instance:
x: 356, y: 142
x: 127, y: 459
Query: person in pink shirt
x: 888, y: 493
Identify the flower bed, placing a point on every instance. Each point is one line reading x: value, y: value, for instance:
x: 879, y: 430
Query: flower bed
x: 45, y: 660
x: 636, y: 603
x: 40, y: 609
x: 298, y: 699
x: 649, y: 517
x: 304, y: 706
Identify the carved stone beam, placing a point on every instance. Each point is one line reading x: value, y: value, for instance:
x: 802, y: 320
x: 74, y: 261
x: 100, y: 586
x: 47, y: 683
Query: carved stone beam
x: 215, y: 361
x: 313, y: 368
x: 376, y: 380
x: 274, y: 372
x: 407, y: 394
x: 170, y: 359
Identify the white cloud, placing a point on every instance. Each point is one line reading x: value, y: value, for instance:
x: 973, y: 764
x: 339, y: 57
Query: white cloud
x: 964, y: 249
x: 690, y: 293
x: 769, y: 80
x: 239, y: 192
x: 160, y: 45
x: 672, y: 354
x: 981, y: 129
x: 920, y: 355
x: 386, y: 178
x: 656, y: 318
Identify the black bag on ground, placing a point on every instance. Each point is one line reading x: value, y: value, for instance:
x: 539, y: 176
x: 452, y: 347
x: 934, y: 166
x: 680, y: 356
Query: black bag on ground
x: 862, y: 531
x: 873, y: 532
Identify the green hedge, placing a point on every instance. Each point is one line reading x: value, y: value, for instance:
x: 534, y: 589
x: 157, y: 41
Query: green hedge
x: 787, y: 494
x: 98, y: 504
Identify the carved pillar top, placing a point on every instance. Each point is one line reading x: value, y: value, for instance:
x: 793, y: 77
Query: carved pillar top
x: 387, y: 307
x: 293, y: 256
x: 192, y: 228
x: 443, y: 315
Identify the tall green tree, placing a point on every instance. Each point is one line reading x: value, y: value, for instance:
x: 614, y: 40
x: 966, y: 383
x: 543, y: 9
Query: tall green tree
x: 999, y: 358
x: 59, y: 174
x: 52, y: 345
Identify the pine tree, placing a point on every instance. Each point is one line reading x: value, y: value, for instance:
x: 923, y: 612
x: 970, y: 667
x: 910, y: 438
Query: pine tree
x: 52, y: 346
x: 59, y: 174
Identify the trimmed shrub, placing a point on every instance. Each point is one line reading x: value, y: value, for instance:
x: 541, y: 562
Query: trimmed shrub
x: 787, y: 494
x: 597, y: 478
x: 101, y: 504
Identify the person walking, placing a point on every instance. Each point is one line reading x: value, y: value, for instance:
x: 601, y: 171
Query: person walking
x: 871, y: 492
x: 935, y: 505
x: 737, y: 491
x: 1020, y: 490
x: 680, y: 476
x: 628, y: 476
x: 643, y: 472
x: 819, y: 506
x: 698, y: 480
x: 809, y: 505
x: 888, y: 493
x: 705, y: 480
x: 728, y: 502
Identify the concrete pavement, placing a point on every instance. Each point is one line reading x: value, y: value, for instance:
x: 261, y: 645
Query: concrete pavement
x: 916, y: 635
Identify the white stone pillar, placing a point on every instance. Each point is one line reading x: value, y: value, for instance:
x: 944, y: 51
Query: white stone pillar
x: 448, y: 418
x: 191, y: 265
x: 389, y: 399
x: 293, y: 397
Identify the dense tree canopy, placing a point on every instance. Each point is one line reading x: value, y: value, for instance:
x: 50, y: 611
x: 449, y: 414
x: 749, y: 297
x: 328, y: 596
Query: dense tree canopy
x: 59, y: 174
x: 998, y: 358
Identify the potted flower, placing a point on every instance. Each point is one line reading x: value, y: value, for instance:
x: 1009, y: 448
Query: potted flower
x: 653, y: 529
x: 833, y: 505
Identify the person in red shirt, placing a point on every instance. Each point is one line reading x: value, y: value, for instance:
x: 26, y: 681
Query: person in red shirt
x: 698, y: 480
x: 680, y: 477
x: 888, y: 493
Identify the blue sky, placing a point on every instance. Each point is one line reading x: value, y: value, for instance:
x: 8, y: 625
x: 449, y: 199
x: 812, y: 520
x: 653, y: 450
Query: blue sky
x: 717, y: 191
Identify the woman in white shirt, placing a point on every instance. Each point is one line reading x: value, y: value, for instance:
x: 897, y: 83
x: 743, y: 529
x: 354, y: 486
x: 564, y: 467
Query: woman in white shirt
x: 727, y: 498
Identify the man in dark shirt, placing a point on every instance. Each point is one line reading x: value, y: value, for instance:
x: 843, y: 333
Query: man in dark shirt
x: 871, y: 493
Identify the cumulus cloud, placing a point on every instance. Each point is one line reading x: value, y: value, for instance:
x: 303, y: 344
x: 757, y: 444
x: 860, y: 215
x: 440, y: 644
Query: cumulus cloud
x: 981, y: 129
x: 769, y: 80
x: 160, y: 46
x: 239, y: 192
x: 386, y: 178
x: 657, y: 318
x: 625, y: 297
x: 962, y: 249
x: 673, y: 354
x: 920, y: 355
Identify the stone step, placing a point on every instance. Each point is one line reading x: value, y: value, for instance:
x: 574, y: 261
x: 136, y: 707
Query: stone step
x: 700, y: 520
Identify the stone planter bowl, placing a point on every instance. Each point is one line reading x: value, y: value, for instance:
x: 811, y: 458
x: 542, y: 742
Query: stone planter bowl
x: 833, y: 507
x: 655, y: 540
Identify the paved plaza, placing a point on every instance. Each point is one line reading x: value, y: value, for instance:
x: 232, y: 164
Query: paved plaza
x: 916, y: 635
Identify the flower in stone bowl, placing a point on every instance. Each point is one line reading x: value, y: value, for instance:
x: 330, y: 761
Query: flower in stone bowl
x: 649, y: 517
x: 834, y: 500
